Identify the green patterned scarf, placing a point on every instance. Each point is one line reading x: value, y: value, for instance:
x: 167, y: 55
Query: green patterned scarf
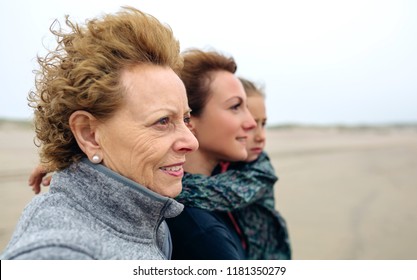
x: 247, y: 190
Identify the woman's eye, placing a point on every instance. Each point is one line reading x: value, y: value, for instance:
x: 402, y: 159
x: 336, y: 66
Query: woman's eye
x: 163, y: 121
x: 236, y: 106
x: 187, y: 120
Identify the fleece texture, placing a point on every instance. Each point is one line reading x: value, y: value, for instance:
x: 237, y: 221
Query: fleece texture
x: 92, y: 212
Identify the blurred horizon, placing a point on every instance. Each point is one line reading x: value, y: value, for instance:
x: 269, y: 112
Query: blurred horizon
x: 413, y: 124
x: 321, y: 62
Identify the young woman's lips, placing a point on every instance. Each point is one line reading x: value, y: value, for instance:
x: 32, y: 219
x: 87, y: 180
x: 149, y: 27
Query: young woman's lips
x: 175, y: 170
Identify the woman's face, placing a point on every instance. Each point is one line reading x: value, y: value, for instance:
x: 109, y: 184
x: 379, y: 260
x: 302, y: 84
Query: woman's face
x: 256, y: 139
x: 222, y: 128
x: 147, y: 138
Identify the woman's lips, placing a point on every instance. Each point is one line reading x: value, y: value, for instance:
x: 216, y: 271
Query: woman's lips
x: 175, y: 170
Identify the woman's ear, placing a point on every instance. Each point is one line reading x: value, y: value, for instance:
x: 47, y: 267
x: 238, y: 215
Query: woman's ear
x: 84, y: 128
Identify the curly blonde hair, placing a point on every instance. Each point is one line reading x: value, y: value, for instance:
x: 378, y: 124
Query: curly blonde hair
x: 83, y: 73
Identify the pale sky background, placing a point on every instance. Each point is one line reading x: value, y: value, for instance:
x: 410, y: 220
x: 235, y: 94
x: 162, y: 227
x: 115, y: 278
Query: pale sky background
x: 322, y: 62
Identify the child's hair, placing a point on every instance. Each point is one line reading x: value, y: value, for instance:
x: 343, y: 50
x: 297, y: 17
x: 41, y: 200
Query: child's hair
x: 251, y: 88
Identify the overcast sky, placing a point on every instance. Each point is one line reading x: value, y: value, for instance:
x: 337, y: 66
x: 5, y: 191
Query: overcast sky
x: 322, y: 62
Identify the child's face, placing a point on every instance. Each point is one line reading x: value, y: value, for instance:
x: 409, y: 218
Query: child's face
x: 256, y: 140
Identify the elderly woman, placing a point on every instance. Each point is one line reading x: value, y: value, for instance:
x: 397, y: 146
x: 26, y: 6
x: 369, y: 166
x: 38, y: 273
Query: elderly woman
x: 111, y: 117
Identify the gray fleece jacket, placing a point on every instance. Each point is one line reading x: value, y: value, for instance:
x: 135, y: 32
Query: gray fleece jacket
x: 91, y: 212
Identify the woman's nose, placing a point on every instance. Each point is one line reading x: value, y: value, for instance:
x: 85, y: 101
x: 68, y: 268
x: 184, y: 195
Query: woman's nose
x: 187, y: 142
x: 249, y: 122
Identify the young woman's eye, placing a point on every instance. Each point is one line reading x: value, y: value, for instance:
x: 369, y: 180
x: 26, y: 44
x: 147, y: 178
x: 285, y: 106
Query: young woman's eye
x: 264, y: 123
x: 236, y: 106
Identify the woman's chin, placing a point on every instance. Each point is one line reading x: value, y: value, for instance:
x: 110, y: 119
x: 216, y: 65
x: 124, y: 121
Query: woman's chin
x: 174, y: 191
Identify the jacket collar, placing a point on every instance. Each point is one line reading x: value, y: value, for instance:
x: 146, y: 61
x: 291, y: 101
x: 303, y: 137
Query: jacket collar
x: 115, y: 200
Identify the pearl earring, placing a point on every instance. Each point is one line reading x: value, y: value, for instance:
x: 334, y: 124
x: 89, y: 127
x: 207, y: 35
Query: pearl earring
x: 96, y: 159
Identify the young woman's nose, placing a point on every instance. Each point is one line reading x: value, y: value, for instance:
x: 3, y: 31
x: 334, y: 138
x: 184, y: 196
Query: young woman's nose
x: 249, y: 122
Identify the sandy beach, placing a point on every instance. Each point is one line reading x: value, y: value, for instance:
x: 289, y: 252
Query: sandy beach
x: 346, y: 193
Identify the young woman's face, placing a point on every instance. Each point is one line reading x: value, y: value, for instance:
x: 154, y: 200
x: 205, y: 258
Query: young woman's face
x: 147, y: 138
x: 222, y: 128
x: 256, y: 139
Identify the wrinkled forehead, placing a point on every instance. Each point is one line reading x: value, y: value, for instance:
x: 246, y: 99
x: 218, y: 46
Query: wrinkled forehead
x: 153, y: 86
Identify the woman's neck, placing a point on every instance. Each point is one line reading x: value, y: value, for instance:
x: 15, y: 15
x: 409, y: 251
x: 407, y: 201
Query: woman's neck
x: 199, y: 163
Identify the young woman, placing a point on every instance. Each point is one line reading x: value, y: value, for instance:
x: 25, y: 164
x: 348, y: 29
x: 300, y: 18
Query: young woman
x: 221, y: 122
x: 246, y: 189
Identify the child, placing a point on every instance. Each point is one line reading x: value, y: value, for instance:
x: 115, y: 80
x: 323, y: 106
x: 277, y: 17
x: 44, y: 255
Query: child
x: 245, y: 190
